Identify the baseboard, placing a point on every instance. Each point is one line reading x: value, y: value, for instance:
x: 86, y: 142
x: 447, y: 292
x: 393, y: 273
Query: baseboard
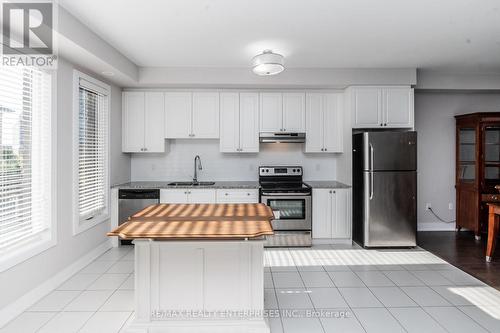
x: 27, y: 300
x: 435, y: 226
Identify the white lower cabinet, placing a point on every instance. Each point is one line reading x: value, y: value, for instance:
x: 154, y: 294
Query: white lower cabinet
x: 331, y: 213
x: 237, y: 196
x: 187, y: 195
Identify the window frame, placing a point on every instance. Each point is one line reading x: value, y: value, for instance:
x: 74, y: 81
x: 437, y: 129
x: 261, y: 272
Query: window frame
x: 78, y: 225
x: 48, y: 238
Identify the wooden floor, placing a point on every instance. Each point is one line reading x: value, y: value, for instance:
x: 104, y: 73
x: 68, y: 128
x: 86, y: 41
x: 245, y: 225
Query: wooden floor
x: 463, y: 251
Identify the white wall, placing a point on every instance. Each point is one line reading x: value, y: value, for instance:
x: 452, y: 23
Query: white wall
x: 178, y: 163
x: 435, y: 125
x: 27, y: 275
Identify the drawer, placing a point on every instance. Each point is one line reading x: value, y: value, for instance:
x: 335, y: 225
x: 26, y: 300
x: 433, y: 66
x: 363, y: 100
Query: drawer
x: 490, y: 197
x: 237, y: 195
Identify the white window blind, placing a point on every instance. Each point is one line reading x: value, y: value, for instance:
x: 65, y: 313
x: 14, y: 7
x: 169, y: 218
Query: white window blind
x: 92, y: 151
x: 25, y: 147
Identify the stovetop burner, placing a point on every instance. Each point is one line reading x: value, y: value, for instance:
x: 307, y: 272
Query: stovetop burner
x: 282, y: 179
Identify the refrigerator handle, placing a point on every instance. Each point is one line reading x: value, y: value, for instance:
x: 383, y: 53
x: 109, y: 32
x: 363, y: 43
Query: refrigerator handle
x: 371, y: 171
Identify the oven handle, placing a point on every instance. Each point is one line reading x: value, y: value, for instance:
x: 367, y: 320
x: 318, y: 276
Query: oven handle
x: 285, y: 194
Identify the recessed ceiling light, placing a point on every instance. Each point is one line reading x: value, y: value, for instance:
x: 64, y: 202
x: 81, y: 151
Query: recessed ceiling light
x: 268, y: 63
x: 107, y: 73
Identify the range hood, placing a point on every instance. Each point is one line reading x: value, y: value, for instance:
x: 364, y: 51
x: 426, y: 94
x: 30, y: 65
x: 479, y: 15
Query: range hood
x: 278, y: 137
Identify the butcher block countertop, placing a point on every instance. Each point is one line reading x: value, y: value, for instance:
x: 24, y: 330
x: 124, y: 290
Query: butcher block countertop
x: 198, y: 221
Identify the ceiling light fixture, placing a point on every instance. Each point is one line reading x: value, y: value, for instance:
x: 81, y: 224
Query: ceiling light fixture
x: 268, y: 63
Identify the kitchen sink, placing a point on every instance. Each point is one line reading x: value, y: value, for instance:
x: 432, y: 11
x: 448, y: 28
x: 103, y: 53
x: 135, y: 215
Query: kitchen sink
x: 191, y: 183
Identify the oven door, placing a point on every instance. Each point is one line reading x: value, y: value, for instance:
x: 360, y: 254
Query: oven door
x: 291, y: 212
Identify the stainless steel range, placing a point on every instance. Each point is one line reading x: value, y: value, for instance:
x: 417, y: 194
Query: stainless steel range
x: 282, y: 189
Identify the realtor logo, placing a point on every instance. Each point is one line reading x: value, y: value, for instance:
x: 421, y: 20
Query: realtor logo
x: 27, y: 31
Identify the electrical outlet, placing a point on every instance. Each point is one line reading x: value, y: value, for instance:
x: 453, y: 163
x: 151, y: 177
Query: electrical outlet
x: 428, y: 206
x: 450, y: 206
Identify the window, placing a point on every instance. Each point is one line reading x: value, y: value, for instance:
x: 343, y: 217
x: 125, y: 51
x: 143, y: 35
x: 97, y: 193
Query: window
x: 91, y: 121
x: 26, y: 177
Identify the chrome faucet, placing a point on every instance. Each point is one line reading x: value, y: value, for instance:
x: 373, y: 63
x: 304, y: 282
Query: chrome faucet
x: 195, y: 177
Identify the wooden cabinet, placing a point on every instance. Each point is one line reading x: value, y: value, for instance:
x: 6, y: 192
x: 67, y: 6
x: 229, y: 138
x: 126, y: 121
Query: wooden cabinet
x: 477, y: 168
x: 187, y: 195
x: 239, y: 122
x: 324, y: 126
x: 282, y: 112
x: 331, y: 213
x: 142, y: 123
x: 386, y: 107
x: 237, y: 196
x: 192, y: 115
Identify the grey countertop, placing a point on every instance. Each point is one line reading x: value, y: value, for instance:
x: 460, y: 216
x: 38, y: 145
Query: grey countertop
x: 326, y: 184
x: 224, y: 184
x: 218, y: 184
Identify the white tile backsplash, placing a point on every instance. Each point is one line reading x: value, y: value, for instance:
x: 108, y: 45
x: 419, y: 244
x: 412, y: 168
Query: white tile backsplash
x: 177, y: 164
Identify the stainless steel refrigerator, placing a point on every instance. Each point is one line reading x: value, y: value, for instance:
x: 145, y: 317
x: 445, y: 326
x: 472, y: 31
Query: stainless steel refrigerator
x: 385, y: 189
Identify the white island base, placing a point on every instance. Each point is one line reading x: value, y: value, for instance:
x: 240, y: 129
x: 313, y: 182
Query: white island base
x: 199, y: 286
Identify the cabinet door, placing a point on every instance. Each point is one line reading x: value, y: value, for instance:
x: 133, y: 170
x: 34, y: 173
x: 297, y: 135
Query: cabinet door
x: 271, y: 112
x: 229, y: 122
x: 321, y: 213
x: 206, y: 115
x: 154, y: 114
x: 332, y: 122
x: 398, y: 107
x: 201, y: 196
x: 367, y: 107
x: 133, y: 121
x: 341, y: 213
x: 174, y: 195
x: 314, y: 123
x: 178, y: 110
x: 294, y: 114
x: 249, y: 122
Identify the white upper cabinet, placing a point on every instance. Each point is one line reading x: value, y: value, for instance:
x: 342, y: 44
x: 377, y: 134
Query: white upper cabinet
x: 294, y: 112
x: 398, y: 107
x: 331, y: 213
x: 324, y: 124
x: 239, y: 122
x: 143, y: 119
x: 367, y: 107
x: 205, y: 115
x: 192, y: 115
x: 271, y: 112
x: 154, y: 136
x: 249, y: 122
x: 282, y: 112
x: 133, y: 121
x: 386, y: 107
x: 178, y: 114
x: 314, y: 123
x: 229, y: 122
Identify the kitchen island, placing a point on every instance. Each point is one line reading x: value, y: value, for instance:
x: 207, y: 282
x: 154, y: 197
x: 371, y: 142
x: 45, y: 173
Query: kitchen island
x: 199, y: 267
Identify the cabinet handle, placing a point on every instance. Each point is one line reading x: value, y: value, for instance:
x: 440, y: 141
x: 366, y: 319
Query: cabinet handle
x: 145, y: 149
x: 381, y: 124
x: 226, y: 194
x: 330, y: 191
x: 326, y: 149
x: 385, y: 124
x: 248, y: 193
x: 334, y: 192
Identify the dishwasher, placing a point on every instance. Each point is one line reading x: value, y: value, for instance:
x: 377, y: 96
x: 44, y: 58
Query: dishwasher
x: 130, y: 201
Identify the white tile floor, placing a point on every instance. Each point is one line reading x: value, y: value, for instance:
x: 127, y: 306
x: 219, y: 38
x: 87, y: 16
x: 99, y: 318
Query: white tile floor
x: 357, y: 291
